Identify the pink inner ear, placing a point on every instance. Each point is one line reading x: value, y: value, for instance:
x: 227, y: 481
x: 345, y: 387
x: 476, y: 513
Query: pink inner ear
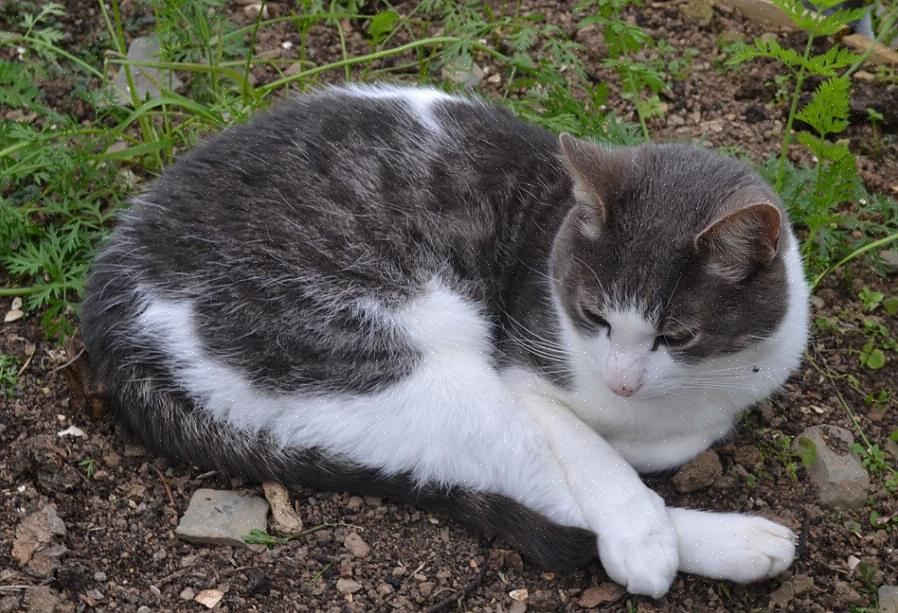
x: 752, y: 232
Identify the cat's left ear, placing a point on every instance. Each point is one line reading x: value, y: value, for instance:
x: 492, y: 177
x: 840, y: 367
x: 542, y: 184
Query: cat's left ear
x: 741, y: 240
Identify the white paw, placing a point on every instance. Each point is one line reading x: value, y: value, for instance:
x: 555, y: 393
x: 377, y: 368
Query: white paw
x: 641, y: 552
x: 739, y: 548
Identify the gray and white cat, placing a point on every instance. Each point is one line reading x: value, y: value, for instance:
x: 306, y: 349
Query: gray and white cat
x: 400, y: 292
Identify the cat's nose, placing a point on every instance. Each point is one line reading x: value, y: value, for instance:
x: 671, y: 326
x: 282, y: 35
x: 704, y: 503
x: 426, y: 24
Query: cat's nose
x: 624, y: 389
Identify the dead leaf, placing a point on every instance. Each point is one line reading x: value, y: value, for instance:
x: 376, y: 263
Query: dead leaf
x: 598, y: 595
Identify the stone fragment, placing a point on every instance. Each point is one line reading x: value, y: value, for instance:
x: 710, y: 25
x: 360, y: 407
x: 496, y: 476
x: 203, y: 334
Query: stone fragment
x: 35, y: 532
x: 284, y: 518
x: 467, y: 76
x: 348, y: 586
x: 699, y: 473
x: 598, y: 595
x: 699, y: 12
x: 520, y: 595
x: 221, y: 517
x: 148, y: 82
x: 889, y: 259
x: 15, y: 311
x: 888, y: 599
x: 802, y: 584
x: 543, y: 600
x: 426, y: 589
x: 356, y: 546
x: 187, y: 593
x: 518, y: 607
x: 838, y: 475
x: 209, y: 598
x: 782, y: 596
x: 8, y: 604
x: 41, y: 599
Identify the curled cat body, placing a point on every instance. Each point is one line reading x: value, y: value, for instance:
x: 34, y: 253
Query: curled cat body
x: 400, y: 292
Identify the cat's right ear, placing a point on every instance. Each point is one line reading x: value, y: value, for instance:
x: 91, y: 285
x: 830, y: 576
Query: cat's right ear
x: 596, y: 172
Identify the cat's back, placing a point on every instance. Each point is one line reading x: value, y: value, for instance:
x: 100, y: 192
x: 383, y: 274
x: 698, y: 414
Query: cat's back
x: 336, y: 177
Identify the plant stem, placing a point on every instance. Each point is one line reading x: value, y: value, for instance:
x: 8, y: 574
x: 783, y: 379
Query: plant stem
x: 796, y: 94
x: 424, y: 42
x: 857, y: 252
x: 19, y: 291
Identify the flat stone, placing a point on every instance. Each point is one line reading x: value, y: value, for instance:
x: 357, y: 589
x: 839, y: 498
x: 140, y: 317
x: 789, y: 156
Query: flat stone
x: 41, y: 599
x: 699, y: 473
x: 222, y: 517
x: 356, y: 545
x: 348, y: 586
x: 147, y: 81
x: 888, y: 599
x: 35, y: 532
x: 889, y: 259
x: 209, y: 598
x: 284, y: 519
x: 697, y: 11
x: 187, y: 593
x: 838, y: 475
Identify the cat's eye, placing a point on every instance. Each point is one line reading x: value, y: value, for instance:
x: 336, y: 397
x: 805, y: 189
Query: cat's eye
x: 595, y: 318
x: 674, y: 341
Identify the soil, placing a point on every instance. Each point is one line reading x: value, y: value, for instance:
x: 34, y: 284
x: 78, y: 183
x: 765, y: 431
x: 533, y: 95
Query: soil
x: 121, y: 552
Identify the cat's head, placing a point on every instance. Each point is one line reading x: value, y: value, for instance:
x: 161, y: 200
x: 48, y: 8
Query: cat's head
x: 672, y: 259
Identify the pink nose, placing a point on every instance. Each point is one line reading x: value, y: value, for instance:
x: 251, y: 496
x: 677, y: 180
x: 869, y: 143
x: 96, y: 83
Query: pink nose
x: 624, y: 389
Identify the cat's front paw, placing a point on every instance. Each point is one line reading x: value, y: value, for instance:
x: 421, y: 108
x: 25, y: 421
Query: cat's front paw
x: 741, y: 548
x: 641, y: 553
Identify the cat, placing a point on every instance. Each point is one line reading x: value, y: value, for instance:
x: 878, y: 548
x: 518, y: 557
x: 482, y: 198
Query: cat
x: 401, y: 292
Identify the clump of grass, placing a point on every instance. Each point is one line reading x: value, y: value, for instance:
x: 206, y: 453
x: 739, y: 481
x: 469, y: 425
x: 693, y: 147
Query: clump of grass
x: 65, y: 177
x: 815, y: 194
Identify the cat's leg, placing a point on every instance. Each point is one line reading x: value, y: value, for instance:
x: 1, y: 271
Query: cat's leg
x: 638, y: 546
x: 741, y: 548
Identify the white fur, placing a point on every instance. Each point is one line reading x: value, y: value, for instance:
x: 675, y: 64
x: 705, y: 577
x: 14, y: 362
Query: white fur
x: 419, y: 100
x: 679, y: 410
x: 458, y: 421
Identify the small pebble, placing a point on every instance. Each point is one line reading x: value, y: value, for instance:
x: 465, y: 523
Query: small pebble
x: 187, y: 593
x: 100, y: 576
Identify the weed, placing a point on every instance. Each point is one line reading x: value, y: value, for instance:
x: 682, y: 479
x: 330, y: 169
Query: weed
x: 9, y: 366
x: 814, y: 194
x: 90, y: 467
x: 260, y: 537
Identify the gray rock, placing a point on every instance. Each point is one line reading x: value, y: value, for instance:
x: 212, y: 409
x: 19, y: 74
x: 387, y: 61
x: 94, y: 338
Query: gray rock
x: 187, y: 593
x: 348, y: 586
x: 284, y: 518
x: 838, y: 475
x: 888, y: 599
x: 356, y: 545
x: 222, y: 517
x: 41, y: 599
x: 147, y: 81
x: 699, y: 473
x: 34, y: 535
x: 889, y: 259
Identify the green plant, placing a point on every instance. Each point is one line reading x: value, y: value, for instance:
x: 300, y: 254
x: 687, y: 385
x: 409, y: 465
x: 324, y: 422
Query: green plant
x: 260, y: 537
x: 9, y: 366
x: 89, y: 465
x: 815, y: 193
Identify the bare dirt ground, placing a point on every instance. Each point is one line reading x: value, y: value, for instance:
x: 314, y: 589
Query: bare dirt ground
x: 119, y: 552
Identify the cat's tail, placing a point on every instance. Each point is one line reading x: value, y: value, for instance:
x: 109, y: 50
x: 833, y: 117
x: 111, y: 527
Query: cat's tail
x: 136, y: 385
